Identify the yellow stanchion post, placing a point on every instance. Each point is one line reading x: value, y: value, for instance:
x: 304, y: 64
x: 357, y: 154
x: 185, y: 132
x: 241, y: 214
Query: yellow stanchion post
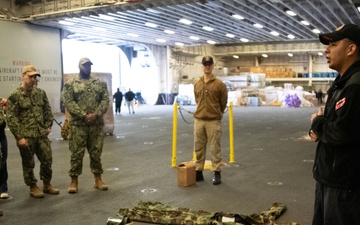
x: 231, y: 133
x: 173, y: 158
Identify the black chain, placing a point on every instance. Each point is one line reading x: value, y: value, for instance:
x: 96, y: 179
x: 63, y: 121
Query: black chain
x: 182, y: 116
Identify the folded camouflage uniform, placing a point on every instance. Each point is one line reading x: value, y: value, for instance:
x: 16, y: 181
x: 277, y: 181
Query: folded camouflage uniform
x: 158, y: 213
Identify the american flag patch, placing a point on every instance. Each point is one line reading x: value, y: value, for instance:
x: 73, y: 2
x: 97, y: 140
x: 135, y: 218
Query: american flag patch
x: 340, y: 103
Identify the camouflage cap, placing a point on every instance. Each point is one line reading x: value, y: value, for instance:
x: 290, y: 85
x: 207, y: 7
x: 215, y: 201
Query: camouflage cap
x: 85, y: 60
x: 30, y: 71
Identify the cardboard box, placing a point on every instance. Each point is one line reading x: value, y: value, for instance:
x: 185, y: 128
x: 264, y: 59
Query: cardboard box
x: 186, y: 174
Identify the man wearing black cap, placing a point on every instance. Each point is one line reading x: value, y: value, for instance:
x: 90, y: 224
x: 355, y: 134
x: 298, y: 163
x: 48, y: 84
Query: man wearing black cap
x: 336, y: 129
x: 211, y: 99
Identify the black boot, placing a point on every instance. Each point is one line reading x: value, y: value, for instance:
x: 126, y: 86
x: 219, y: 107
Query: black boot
x: 199, y: 175
x: 217, y: 178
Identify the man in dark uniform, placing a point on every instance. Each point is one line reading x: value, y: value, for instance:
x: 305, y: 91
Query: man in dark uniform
x: 118, y: 96
x: 130, y: 99
x: 319, y: 96
x: 336, y: 129
x: 4, y: 151
x: 3, y: 142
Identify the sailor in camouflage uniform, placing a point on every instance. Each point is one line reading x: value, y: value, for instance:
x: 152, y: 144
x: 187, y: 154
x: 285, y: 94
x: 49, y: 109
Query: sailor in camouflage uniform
x: 86, y: 99
x: 30, y: 119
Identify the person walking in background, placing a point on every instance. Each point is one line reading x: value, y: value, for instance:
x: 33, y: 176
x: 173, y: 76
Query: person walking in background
x: 319, y: 96
x: 30, y: 119
x: 86, y: 98
x: 4, y: 152
x: 336, y: 129
x: 211, y: 99
x: 118, y: 96
x: 130, y: 99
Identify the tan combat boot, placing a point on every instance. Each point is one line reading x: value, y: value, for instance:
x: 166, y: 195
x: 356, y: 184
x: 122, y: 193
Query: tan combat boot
x: 73, y: 185
x: 99, y: 183
x: 48, y: 188
x: 35, y: 191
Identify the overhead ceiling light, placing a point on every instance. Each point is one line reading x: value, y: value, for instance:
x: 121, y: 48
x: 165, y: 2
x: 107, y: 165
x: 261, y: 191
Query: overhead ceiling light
x: 236, y: 16
x: 230, y: 35
x: 290, y: 13
x: 185, y: 21
x: 244, y: 39
x: 99, y: 29
x: 236, y: 56
x: 63, y: 22
x: 208, y: 28
x: 264, y: 55
x: 258, y: 25
x: 179, y: 44
x: 306, y: 23
x: 132, y: 35
x: 194, y: 38
x: 169, y: 31
x: 106, y: 17
x: 160, y: 40
x: 291, y: 36
x: 290, y: 55
x: 316, y: 31
x: 320, y: 53
x: 274, y: 33
x: 151, y: 25
x: 211, y: 42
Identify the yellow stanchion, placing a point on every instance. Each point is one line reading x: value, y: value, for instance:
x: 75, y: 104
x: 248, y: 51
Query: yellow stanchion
x: 173, y: 158
x: 231, y: 133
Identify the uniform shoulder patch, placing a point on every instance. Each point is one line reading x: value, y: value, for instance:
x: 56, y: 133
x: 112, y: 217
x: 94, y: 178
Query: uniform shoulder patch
x: 340, y: 103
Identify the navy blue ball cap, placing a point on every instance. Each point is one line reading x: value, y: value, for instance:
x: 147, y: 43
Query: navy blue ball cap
x: 350, y: 31
x: 207, y: 59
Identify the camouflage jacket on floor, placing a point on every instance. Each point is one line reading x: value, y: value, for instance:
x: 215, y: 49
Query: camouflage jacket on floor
x: 156, y: 212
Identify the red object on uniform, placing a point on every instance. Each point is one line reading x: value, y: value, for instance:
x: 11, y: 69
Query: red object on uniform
x: 3, y: 102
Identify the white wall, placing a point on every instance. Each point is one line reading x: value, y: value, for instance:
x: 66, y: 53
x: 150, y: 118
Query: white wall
x: 23, y: 44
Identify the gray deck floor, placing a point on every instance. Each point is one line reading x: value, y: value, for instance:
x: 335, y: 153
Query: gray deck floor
x: 273, y: 163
